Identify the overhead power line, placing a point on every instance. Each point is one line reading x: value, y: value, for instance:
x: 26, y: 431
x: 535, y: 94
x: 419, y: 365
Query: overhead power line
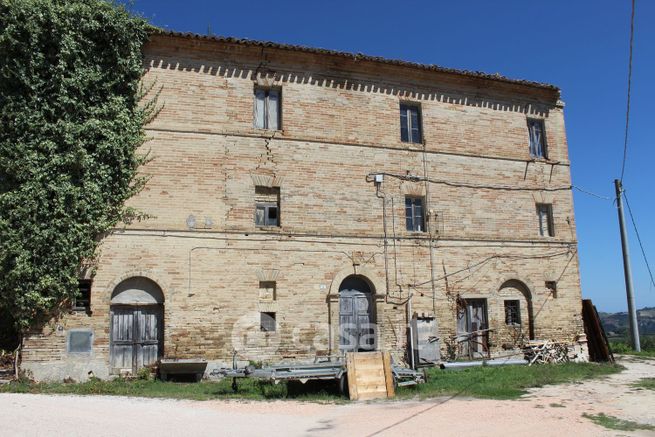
x: 590, y: 193
x: 643, y: 252
x: 627, y: 112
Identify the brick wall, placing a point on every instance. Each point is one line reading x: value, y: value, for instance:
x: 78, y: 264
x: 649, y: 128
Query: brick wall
x: 340, y: 123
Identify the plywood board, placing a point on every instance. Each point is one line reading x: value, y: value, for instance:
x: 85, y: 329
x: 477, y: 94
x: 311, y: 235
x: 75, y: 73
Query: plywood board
x: 369, y: 375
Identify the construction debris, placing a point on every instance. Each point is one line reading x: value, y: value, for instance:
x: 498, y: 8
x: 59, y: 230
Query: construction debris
x: 542, y: 352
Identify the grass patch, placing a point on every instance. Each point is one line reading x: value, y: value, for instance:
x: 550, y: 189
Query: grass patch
x: 506, y: 382
x: 647, y: 383
x: 615, y: 423
x: 247, y: 389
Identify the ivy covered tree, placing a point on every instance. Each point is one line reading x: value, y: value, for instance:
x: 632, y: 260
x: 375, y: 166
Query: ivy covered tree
x: 71, y: 122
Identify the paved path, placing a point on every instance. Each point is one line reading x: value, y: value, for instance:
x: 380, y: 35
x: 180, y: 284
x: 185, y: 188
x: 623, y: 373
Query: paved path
x: 548, y: 411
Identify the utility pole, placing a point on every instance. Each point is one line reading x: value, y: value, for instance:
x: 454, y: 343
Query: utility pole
x: 632, y: 312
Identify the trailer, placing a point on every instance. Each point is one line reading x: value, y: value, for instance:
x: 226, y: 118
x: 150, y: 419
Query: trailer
x: 324, y: 371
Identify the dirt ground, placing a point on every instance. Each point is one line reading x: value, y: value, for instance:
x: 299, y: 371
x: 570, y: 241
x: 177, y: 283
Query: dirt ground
x: 547, y: 411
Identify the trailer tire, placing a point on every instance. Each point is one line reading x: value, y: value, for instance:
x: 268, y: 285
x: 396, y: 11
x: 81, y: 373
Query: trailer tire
x: 343, y: 384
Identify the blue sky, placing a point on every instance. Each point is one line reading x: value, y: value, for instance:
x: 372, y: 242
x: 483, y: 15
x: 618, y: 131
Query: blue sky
x: 580, y: 46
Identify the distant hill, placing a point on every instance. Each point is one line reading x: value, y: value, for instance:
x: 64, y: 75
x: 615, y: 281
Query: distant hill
x: 616, y: 324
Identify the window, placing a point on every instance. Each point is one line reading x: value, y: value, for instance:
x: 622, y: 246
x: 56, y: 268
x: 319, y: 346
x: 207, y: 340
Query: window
x: 80, y: 341
x: 267, y: 112
x: 545, y: 216
x: 267, y: 206
x: 267, y: 290
x: 537, y: 138
x: 551, y: 286
x: 267, y: 322
x: 410, y: 124
x: 414, y: 214
x: 83, y: 300
x: 512, y: 312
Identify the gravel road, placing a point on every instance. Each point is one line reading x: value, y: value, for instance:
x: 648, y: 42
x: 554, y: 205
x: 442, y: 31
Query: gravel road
x: 547, y: 411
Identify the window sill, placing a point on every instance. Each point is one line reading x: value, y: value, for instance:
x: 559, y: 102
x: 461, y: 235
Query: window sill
x: 260, y: 131
x: 269, y: 228
x: 543, y: 160
x: 86, y: 311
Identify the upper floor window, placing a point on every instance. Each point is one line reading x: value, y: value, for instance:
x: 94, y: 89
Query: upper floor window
x: 545, y: 216
x: 267, y: 112
x: 410, y: 124
x: 537, y: 134
x: 414, y: 216
x: 267, y: 206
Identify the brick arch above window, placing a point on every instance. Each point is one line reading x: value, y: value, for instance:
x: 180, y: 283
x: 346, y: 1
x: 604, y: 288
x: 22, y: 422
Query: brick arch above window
x: 543, y: 197
x: 266, y: 180
x: 267, y: 275
x: 415, y: 189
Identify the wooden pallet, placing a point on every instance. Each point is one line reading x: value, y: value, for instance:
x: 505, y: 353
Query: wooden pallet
x: 369, y: 375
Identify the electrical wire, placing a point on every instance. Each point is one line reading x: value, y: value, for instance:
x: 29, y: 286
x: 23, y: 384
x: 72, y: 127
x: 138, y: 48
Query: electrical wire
x: 413, y: 178
x: 641, y: 246
x: 590, y: 193
x: 627, y: 112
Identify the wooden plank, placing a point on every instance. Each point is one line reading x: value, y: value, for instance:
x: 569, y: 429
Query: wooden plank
x: 352, y: 375
x: 369, y: 375
x: 388, y: 374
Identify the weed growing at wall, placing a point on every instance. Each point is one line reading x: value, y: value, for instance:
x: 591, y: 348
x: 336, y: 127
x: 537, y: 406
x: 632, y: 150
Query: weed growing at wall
x: 70, y: 126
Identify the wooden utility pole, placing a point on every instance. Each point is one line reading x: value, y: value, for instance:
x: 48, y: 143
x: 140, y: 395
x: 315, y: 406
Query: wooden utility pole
x: 627, y: 270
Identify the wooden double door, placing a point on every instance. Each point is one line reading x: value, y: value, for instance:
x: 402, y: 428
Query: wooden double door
x: 356, y: 321
x: 136, y: 336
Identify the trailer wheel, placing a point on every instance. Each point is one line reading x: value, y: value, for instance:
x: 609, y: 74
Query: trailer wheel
x: 343, y: 384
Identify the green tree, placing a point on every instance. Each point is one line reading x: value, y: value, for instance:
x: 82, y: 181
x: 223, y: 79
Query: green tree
x: 70, y: 126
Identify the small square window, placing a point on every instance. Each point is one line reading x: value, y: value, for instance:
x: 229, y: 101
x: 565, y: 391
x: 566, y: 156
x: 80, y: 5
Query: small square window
x: 80, y: 341
x: 267, y: 322
x: 551, y: 286
x: 512, y: 312
x: 268, y: 109
x: 545, y: 216
x: 537, y: 133
x: 267, y: 290
x: 83, y: 300
x: 414, y: 216
x: 410, y: 124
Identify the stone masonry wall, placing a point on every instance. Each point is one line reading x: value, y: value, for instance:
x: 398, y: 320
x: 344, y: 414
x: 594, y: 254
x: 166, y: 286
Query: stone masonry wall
x: 340, y: 123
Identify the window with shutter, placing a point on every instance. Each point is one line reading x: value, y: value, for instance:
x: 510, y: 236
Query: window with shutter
x: 537, y: 135
x: 545, y: 217
x: 414, y: 217
x: 267, y: 110
x: 410, y: 124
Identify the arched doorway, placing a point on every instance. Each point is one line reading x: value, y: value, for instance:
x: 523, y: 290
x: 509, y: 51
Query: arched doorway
x: 136, y: 314
x: 357, y: 328
x: 517, y: 290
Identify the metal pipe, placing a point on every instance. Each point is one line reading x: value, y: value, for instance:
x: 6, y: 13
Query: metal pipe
x: 386, y: 241
x: 468, y: 364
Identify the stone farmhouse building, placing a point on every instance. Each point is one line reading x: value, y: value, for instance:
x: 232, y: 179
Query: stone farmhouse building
x: 305, y: 202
